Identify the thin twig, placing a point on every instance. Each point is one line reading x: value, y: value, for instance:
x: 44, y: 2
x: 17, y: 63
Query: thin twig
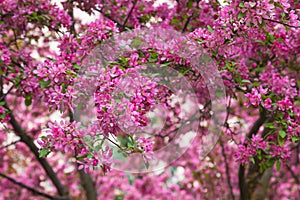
x: 272, y: 20
x: 227, y: 170
x: 71, y: 14
x: 112, y: 19
x: 4, y: 95
x: 186, y: 23
x: 15, y: 142
x: 117, y: 145
x: 34, y: 191
x: 130, y: 12
x: 293, y: 174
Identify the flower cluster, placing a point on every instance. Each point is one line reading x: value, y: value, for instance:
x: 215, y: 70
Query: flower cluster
x: 280, y: 152
x: 4, y: 117
x: 245, y: 153
x: 254, y: 98
x: 123, y: 97
x: 146, y: 145
x: 67, y: 138
x: 255, y: 44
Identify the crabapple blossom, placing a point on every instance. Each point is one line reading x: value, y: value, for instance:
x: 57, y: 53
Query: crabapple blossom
x: 54, y: 146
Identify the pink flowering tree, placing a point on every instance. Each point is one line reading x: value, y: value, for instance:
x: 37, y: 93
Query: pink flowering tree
x: 83, y: 105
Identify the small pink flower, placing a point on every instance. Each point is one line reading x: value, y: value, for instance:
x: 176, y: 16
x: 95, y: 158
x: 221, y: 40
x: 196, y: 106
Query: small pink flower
x: 242, y: 154
x: 147, y: 146
x: 285, y: 104
x: 282, y: 152
x: 268, y: 103
x: 254, y: 98
x: 258, y: 142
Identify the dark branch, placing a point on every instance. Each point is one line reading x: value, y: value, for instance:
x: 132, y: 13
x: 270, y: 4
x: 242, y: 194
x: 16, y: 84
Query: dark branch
x: 4, y: 95
x: 88, y: 185
x: 257, y: 124
x: 227, y: 170
x: 71, y: 14
x: 34, y: 191
x: 86, y: 179
x: 5, y: 146
x: 293, y: 174
x: 29, y: 142
x: 187, y: 23
x: 278, y: 22
x: 119, y: 24
x: 130, y: 12
x: 241, y: 174
x: 242, y: 182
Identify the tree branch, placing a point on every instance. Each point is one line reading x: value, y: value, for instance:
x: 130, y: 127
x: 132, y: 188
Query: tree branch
x: 293, y: 174
x: 34, y: 191
x: 244, y: 193
x: 278, y: 22
x: 227, y: 170
x: 112, y: 19
x: 242, y: 182
x: 4, y: 95
x: 261, y: 191
x: 130, y: 12
x: 88, y: 185
x: 86, y: 179
x: 29, y: 142
x: 186, y: 23
x: 14, y: 142
x: 257, y: 124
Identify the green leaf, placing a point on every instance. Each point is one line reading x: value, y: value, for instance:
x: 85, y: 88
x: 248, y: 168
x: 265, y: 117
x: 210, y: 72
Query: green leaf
x: 269, y: 163
x: 278, y: 165
x: 44, y: 84
x: 44, y: 152
x: 2, y: 116
x: 136, y: 42
x: 295, y: 139
x: 219, y: 93
x: 259, y: 156
x: 276, y: 4
x: 282, y: 133
x: 75, y: 66
x: 252, y: 159
x: 130, y: 178
x: 241, y: 15
x: 269, y: 125
x: 98, y: 147
x: 34, y: 14
x: 210, y: 29
x: 263, y: 23
x: 280, y: 141
x: 28, y: 99
x: 44, y: 137
x: 147, y: 164
x: 241, y: 5
x: 2, y: 103
x: 270, y: 37
x: 246, y: 81
x: 165, y: 64
x: 189, y: 4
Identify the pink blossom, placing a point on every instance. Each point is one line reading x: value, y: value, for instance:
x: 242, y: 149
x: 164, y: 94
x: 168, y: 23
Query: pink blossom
x: 254, y: 98
x: 268, y: 103
x: 146, y: 145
